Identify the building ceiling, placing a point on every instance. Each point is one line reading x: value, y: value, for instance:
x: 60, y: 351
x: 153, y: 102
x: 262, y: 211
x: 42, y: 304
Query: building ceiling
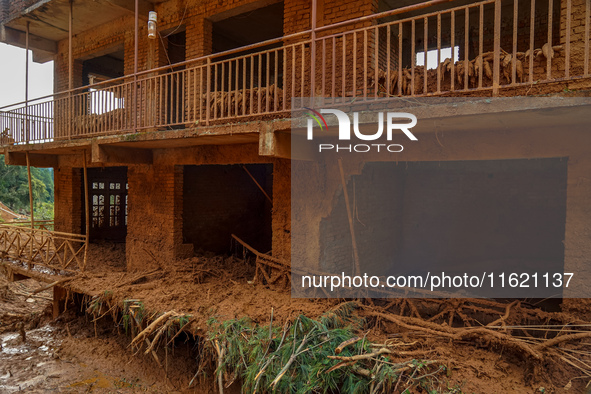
x: 49, y: 21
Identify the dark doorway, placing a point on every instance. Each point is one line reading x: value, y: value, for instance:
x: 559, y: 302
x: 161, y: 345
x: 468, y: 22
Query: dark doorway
x: 103, y: 67
x: 221, y: 200
x: 250, y: 27
x: 107, y: 192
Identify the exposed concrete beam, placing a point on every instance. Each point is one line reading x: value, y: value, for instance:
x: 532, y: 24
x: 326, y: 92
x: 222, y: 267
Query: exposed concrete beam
x: 279, y: 144
x: 120, y: 155
x: 37, y: 160
x: 40, y: 56
x: 17, y: 38
x: 241, y: 9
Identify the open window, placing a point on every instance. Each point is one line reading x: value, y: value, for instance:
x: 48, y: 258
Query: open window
x: 107, y: 195
x: 99, y: 67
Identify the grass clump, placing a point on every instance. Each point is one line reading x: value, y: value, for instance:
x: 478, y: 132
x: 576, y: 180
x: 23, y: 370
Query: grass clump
x: 295, y: 358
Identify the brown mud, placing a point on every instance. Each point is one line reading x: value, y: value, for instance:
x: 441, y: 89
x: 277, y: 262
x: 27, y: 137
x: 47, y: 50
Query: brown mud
x: 74, y: 353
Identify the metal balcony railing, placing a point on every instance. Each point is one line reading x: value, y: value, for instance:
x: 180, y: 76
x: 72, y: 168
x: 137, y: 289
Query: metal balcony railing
x: 469, y: 49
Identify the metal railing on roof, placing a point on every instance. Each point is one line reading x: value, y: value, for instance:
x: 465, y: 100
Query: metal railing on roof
x: 475, y: 48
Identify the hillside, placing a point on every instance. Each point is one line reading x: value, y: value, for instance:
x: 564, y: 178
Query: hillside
x: 14, y: 189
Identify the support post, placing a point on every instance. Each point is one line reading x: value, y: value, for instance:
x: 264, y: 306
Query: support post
x: 86, y: 209
x: 350, y: 217
x: 313, y: 50
x: 70, y: 67
x: 135, y: 65
x: 27, y: 137
x: 59, y: 295
x: 70, y: 54
x: 31, y: 242
x: 497, y: 49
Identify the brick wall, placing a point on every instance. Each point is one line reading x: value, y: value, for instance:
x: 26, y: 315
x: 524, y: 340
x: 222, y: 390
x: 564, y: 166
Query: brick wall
x: 155, y: 215
x: 577, y: 33
x: 281, y: 220
x: 3, y: 10
x: 68, y: 200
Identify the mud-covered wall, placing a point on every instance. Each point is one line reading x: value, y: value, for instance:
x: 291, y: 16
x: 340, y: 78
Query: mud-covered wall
x: 68, y: 200
x: 154, y: 223
x: 570, y: 143
x: 453, y: 213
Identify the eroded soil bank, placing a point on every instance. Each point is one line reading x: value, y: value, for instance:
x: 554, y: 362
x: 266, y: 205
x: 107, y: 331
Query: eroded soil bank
x: 474, y: 346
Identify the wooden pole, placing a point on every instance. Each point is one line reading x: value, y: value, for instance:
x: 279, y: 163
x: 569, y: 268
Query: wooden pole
x: 31, y: 202
x: 70, y: 54
x: 313, y: 50
x: 350, y: 217
x: 258, y: 184
x: 135, y: 64
x: 86, y: 209
x: 70, y: 67
x: 27, y: 137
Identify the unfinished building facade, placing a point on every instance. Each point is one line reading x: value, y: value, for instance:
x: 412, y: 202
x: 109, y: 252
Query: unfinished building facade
x: 174, y: 144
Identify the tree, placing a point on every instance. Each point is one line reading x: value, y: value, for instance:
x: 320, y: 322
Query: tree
x: 14, y: 189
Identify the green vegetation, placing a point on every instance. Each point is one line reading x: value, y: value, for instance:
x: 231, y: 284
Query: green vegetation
x: 14, y: 189
x: 296, y: 358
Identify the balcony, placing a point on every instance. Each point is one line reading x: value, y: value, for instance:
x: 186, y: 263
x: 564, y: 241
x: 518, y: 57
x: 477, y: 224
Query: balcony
x: 492, y: 47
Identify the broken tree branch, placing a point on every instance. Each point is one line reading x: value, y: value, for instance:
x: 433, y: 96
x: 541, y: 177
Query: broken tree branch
x: 148, y: 330
x: 49, y: 286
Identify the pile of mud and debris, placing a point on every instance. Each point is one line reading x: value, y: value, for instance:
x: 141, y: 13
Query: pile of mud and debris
x: 204, y: 325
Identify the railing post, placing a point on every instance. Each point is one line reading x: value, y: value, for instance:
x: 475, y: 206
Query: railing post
x: 70, y: 114
x: 313, y: 51
x: 497, y: 49
x: 208, y: 92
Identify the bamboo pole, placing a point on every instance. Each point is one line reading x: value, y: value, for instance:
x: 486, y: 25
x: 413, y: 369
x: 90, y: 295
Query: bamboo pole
x: 31, y: 202
x: 70, y: 66
x: 350, y: 217
x: 27, y: 136
x: 86, y: 209
x: 135, y: 63
x: 258, y: 184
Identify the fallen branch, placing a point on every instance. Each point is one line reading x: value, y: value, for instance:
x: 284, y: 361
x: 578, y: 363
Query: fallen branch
x: 561, y: 339
x: 291, y: 360
x: 148, y: 330
x: 156, y: 337
x: 362, y: 356
x: 181, y: 329
x: 49, y: 286
x: 346, y: 343
x: 459, y: 334
x: 340, y: 365
x: 502, y: 319
x: 139, y: 277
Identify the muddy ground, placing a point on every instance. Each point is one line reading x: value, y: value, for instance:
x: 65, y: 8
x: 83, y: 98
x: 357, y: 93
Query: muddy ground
x: 74, y: 353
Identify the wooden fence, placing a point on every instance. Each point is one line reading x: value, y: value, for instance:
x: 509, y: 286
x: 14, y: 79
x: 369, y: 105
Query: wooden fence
x: 39, y: 247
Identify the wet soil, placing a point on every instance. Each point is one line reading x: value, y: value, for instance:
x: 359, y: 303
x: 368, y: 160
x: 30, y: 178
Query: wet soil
x: 76, y: 354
